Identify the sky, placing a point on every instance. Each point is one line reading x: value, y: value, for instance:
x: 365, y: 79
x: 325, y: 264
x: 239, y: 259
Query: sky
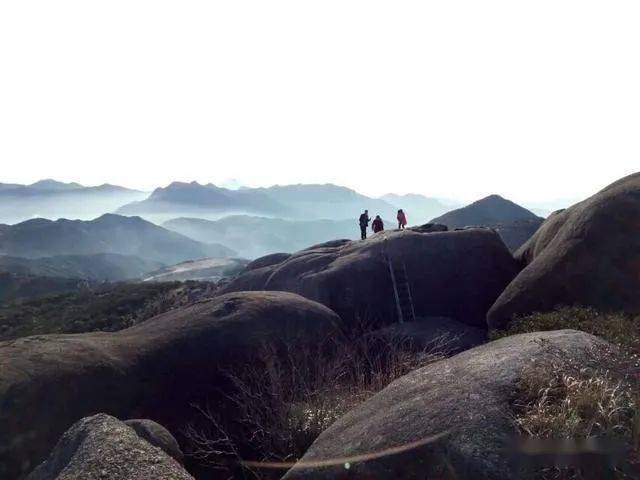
x: 536, y: 101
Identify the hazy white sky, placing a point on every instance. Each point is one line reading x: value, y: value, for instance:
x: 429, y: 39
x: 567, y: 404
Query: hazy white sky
x: 533, y: 100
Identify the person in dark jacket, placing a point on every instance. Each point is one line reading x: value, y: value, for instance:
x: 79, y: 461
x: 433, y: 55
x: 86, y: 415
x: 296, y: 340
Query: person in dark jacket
x: 364, y: 223
x: 377, y: 224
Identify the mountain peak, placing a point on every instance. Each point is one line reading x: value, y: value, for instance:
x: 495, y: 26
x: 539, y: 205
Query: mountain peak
x: 493, y: 197
x: 115, y: 219
x: 50, y: 184
x: 192, y: 192
x: 491, y: 210
x: 113, y: 188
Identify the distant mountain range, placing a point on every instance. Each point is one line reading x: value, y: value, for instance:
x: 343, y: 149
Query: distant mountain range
x: 254, y: 237
x: 291, y: 202
x: 203, y: 201
x: 41, y: 186
x: 418, y: 208
x: 51, y: 199
x: 106, y: 234
x: 108, y: 267
x: 514, y: 223
x: 254, y: 221
x: 332, y: 202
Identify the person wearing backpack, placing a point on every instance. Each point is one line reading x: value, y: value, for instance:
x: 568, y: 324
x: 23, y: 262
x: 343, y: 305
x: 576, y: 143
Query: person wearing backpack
x: 377, y: 225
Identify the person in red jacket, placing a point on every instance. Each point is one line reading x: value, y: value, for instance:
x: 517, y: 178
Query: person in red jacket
x: 377, y: 224
x: 402, y: 220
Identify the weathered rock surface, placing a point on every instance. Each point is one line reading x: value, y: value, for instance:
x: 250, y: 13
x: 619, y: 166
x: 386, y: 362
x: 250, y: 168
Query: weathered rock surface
x: 457, y: 408
x: 103, y: 447
x: 430, y: 227
x: 588, y: 254
x: 267, y: 261
x: 158, y: 436
x: 543, y: 236
x: 451, y: 274
x: 154, y: 370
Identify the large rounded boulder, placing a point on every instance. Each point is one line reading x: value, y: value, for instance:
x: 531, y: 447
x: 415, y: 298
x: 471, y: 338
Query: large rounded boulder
x: 588, y: 255
x: 102, y: 447
x: 450, y: 274
x: 157, y: 369
x: 450, y: 419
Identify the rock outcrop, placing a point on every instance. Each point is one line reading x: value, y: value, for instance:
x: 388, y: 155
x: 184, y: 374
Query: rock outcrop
x: 451, y: 274
x: 102, y: 447
x: 430, y: 228
x: 588, y: 254
x: 454, y: 412
x: 154, y: 370
x: 267, y: 261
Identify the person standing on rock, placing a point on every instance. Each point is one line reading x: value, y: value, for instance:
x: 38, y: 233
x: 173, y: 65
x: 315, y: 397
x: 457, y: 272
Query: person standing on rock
x: 402, y: 220
x: 377, y: 224
x: 364, y: 224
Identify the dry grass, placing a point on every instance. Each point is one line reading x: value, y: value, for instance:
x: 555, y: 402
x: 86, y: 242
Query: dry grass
x: 618, y: 328
x: 556, y: 400
x: 553, y: 403
x: 573, y: 405
x: 283, y: 400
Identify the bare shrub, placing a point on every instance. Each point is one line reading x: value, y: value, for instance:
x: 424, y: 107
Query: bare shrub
x: 284, y: 398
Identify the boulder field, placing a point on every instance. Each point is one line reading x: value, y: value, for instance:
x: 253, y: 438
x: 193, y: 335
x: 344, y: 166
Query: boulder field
x: 154, y: 370
x: 588, y: 254
x: 455, y: 274
x: 453, y: 415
